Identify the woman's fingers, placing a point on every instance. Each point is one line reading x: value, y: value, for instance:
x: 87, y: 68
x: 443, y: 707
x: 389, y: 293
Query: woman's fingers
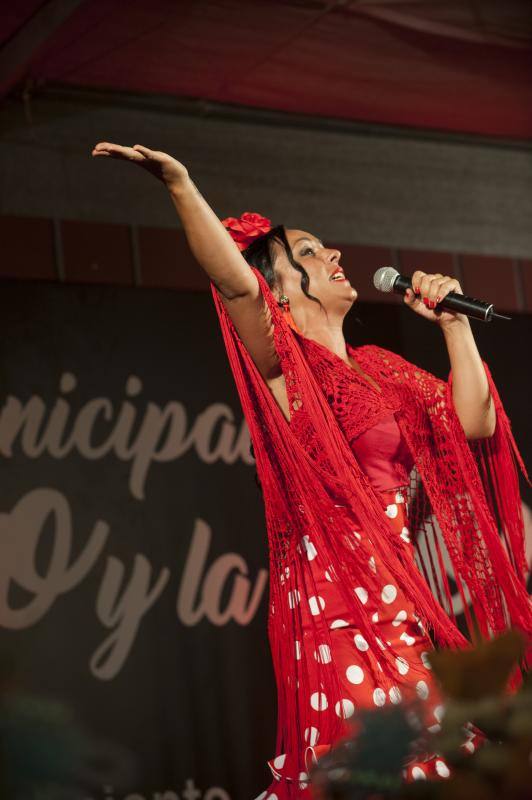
x: 139, y: 148
x: 431, y: 289
x: 106, y: 148
x: 445, y: 286
x: 410, y: 298
x: 416, y: 280
x: 117, y: 151
x: 439, y: 288
x: 162, y: 166
x: 433, y: 292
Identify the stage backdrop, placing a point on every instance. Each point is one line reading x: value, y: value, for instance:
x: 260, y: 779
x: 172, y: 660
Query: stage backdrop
x: 133, y: 563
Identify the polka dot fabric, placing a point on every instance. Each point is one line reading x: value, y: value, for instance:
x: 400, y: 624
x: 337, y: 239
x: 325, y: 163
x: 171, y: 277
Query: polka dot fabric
x: 358, y: 665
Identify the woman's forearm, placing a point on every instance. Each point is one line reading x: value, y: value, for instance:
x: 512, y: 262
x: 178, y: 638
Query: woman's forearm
x: 210, y: 243
x: 470, y: 389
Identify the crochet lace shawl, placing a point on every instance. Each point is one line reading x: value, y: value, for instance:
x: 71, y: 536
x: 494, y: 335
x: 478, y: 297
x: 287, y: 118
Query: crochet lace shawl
x: 464, y: 509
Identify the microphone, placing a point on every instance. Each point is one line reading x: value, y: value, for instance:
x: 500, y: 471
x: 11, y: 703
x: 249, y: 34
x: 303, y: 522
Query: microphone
x: 387, y: 279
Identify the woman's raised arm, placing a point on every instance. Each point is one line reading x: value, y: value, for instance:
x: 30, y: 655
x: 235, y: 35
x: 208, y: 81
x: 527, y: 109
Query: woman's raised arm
x: 209, y: 241
x: 213, y: 249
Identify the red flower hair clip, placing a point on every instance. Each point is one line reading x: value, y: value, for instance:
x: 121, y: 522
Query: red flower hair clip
x: 246, y: 228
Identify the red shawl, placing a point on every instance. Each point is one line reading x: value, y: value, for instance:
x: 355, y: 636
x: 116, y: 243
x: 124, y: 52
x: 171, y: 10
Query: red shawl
x: 312, y: 485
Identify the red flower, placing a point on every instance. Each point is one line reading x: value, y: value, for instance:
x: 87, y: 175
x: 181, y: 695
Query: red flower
x: 247, y: 228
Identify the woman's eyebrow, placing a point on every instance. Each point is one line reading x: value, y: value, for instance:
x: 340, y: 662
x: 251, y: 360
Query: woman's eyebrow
x: 308, y: 239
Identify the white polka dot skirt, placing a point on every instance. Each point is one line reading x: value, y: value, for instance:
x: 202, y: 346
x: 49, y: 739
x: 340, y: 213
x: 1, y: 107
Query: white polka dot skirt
x: 358, y: 664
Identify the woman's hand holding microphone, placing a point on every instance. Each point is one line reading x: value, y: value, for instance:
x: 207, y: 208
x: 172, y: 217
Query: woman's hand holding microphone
x: 427, y: 292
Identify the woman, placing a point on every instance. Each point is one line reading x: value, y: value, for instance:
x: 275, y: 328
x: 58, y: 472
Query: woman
x: 336, y: 433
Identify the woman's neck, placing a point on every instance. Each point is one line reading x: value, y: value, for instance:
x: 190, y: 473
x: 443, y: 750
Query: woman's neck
x: 329, y: 334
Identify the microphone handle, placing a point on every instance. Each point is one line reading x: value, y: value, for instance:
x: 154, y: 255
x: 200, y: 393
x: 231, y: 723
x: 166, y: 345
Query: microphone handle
x: 470, y: 306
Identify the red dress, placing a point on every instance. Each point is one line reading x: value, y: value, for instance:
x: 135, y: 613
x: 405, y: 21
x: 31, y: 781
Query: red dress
x: 349, y: 611
x: 385, y: 458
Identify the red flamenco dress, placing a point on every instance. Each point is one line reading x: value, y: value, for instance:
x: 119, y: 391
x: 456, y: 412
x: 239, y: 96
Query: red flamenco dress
x: 354, y: 483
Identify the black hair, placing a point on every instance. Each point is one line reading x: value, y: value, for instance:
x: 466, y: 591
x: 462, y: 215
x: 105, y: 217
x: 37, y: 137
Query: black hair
x: 261, y: 254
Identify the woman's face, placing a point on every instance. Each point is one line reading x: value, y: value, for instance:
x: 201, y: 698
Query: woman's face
x: 327, y: 279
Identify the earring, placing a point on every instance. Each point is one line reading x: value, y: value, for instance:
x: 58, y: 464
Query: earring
x: 284, y: 303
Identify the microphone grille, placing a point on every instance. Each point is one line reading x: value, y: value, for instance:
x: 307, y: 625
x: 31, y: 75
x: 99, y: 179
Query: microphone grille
x: 384, y: 279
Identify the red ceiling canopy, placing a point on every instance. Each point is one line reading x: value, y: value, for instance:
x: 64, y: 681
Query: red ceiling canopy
x: 451, y: 66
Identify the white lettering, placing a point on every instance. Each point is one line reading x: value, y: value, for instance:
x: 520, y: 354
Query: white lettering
x: 124, y: 613
x: 20, y: 534
x: 96, y: 429
x: 197, y: 599
x: 121, y: 602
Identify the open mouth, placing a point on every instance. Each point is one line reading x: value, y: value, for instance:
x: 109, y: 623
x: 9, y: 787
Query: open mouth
x: 338, y: 275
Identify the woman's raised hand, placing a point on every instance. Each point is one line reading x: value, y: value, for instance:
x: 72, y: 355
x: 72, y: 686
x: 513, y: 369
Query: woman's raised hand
x: 170, y: 171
